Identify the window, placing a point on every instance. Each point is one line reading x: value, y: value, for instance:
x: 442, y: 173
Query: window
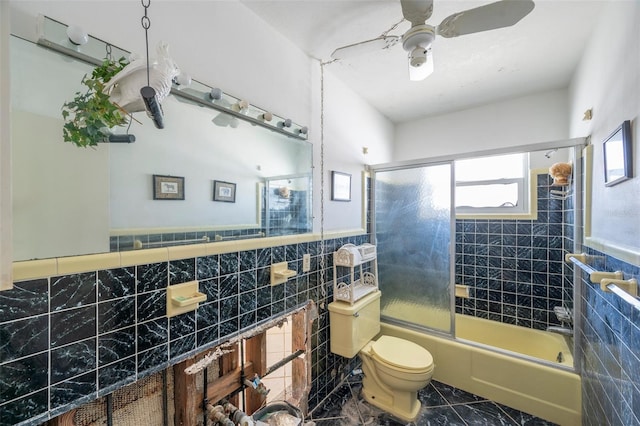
x: 492, y: 185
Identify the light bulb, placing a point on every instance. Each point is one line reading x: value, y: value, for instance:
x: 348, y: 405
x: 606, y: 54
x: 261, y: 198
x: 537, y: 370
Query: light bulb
x: 266, y: 116
x: 285, y: 123
x: 215, y: 93
x: 240, y: 106
x: 77, y: 35
x: 183, y: 79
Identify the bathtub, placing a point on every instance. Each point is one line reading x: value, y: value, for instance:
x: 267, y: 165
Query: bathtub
x: 534, y: 343
x: 538, y: 388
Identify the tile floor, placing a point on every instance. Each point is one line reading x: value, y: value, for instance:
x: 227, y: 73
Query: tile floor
x: 441, y: 405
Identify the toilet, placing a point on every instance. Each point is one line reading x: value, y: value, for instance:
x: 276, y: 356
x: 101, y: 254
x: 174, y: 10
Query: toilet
x: 394, y: 369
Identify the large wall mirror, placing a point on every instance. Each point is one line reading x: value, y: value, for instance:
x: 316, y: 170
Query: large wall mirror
x: 73, y: 201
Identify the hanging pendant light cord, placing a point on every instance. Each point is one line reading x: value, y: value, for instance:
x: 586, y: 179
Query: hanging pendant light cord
x: 146, y: 24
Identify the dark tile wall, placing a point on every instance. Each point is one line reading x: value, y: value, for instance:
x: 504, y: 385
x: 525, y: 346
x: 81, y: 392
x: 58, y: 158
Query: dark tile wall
x: 610, y: 349
x: 67, y: 340
x: 286, y: 216
x: 126, y: 242
x: 515, y: 268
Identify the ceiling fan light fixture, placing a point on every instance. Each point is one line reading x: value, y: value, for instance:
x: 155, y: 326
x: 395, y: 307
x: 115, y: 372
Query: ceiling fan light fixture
x: 418, y: 40
x: 418, y: 36
x: 418, y: 57
x: 425, y: 64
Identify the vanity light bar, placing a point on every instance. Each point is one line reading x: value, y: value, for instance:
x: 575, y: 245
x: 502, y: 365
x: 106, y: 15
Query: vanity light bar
x: 214, y: 98
x: 52, y: 34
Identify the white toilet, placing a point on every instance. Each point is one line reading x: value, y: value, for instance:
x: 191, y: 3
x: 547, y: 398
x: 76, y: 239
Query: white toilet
x: 394, y: 369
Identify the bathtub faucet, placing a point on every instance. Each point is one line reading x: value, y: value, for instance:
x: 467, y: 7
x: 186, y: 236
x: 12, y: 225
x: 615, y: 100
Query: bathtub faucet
x: 565, y: 331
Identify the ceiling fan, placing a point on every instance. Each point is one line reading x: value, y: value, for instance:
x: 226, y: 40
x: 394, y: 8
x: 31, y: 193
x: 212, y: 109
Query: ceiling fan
x: 418, y: 39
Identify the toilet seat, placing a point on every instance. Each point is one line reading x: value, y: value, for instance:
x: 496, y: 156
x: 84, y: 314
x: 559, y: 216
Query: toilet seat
x: 402, y: 354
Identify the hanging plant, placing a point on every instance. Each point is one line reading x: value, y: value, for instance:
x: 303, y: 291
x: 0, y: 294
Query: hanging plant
x: 89, y: 113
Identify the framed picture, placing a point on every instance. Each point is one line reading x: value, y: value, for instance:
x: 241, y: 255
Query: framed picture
x: 224, y: 191
x: 340, y: 186
x: 618, y: 156
x: 168, y: 187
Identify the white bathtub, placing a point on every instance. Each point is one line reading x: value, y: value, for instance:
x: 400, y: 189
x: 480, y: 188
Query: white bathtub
x: 543, y: 390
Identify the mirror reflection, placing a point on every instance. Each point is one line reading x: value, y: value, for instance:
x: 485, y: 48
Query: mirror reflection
x: 74, y: 201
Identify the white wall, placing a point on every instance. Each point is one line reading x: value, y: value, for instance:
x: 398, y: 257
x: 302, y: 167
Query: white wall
x: 5, y: 153
x: 191, y: 146
x: 223, y: 44
x: 525, y: 120
x: 608, y: 80
x: 350, y: 125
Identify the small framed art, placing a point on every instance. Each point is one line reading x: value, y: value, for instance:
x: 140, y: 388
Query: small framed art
x: 168, y: 187
x: 224, y: 191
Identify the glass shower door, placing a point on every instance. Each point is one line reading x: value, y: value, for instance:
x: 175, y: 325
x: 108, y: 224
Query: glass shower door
x: 413, y: 229
x: 287, y: 205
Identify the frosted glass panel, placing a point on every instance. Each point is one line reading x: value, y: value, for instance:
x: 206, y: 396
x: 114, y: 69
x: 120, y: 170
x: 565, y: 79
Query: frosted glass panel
x: 413, y: 232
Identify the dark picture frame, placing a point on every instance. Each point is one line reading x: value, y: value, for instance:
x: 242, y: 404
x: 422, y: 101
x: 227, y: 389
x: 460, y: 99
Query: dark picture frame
x: 224, y: 191
x: 617, y: 155
x: 168, y: 187
x: 340, y: 186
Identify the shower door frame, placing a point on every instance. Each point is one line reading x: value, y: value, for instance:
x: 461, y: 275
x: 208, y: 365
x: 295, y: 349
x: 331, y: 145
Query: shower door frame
x: 579, y: 211
x: 389, y: 167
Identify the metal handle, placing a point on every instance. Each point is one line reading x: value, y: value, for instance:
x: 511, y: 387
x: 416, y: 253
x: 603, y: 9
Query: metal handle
x: 356, y: 314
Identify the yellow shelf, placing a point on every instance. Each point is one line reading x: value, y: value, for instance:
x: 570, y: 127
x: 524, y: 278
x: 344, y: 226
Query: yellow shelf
x: 280, y: 273
x: 189, y: 300
x: 183, y: 298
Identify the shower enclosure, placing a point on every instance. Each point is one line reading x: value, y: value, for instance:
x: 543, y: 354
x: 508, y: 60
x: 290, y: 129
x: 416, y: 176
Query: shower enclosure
x: 413, y: 228
x: 511, y: 268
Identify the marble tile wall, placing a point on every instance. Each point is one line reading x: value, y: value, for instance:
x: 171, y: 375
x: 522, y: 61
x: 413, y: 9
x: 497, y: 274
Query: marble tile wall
x: 66, y: 340
x: 610, y: 349
x: 515, y: 268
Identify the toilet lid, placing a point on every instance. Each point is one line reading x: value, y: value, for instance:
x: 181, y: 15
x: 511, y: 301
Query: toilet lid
x: 402, y: 353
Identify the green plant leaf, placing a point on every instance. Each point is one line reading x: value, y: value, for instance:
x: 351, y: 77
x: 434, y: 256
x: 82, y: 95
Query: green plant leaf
x: 89, y: 112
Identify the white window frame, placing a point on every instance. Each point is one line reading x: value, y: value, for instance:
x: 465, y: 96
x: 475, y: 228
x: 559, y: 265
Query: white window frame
x: 526, y: 207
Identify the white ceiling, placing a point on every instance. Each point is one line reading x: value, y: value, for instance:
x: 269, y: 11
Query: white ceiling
x: 539, y: 53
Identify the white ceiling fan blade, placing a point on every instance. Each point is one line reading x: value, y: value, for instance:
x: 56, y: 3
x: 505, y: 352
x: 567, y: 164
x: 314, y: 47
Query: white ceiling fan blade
x: 363, y: 47
x: 417, y: 11
x: 419, y: 73
x: 489, y: 17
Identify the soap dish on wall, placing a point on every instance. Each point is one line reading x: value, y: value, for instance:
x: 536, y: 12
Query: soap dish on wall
x: 183, y: 298
x: 280, y: 273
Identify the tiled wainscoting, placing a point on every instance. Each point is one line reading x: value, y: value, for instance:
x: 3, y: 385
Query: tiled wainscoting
x: 131, y: 242
x: 610, y: 349
x: 66, y: 340
x: 515, y: 268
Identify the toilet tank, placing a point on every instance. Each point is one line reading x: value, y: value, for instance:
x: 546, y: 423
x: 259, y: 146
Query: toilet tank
x: 353, y: 326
